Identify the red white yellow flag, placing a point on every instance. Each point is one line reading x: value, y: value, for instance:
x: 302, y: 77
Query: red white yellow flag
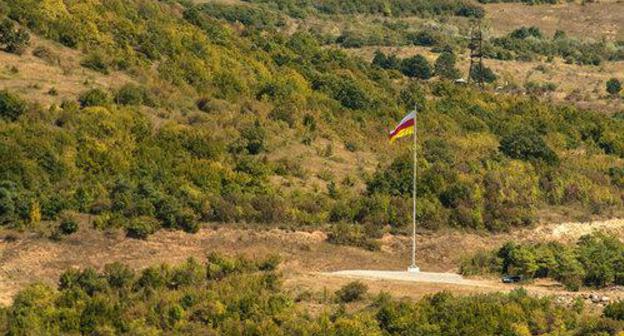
x: 405, y: 127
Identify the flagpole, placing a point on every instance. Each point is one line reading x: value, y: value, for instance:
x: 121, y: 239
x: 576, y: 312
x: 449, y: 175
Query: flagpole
x: 413, y: 267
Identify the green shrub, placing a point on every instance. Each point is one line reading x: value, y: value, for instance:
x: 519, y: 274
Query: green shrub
x: 481, y: 73
x: 445, y: 66
x: 11, y: 106
x: 352, y: 235
x: 526, y: 144
x: 141, y: 227
x: 386, y: 62
x: 119, y: 275
x: 94, y: 97
x: 68, y: 224
x: 353, y: 291
x: 13, y: 40
x: 614, y: 310
x: 189, y: 299
x: 416, y: 66
x: 614, y: 86
x: 8, y: 213
x: 482, y: 262
x: 96, y: 61
x: 133, y: 94
x: 186, y: 219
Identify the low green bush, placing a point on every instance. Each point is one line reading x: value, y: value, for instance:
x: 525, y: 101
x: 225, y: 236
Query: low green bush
x: 13, y: 39
x: 353, y: 291
x: 141, y: 227
x: 352, y: 235
x: 94, y: 97
x: 68, y: 224
x: 11, y: 106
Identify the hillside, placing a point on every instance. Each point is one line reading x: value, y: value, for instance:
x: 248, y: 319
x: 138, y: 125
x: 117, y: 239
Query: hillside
x: 251, y: 136
x: 243, y: 122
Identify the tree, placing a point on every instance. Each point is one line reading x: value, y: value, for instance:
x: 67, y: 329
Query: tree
x: 614, y: 86
x: 445, y: 66
x: 417, y: 67
x: 15, y: 40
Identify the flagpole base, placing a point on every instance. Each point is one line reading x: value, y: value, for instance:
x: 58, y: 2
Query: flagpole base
x: 413, y: 269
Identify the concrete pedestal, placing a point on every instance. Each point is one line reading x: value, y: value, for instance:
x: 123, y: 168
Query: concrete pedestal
x: 413, y: 269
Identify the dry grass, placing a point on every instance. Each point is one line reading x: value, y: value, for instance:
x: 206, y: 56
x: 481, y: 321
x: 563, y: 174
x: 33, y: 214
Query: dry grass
x: 35, y: 76
x: 594, y: 20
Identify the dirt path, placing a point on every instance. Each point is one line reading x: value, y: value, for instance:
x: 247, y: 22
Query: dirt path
x: 28, y: 258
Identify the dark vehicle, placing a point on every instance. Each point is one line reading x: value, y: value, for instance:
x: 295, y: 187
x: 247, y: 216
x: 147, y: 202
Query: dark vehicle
x: 512, y: 278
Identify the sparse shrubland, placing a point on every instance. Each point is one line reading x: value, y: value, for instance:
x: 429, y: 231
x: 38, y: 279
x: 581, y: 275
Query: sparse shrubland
x: 528, y: 43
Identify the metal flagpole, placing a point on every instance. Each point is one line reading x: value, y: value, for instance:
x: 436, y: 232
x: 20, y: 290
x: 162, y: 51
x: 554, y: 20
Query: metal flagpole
x: 413, y: 267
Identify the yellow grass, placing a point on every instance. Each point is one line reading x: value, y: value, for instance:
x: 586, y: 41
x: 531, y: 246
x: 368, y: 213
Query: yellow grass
x: 35, y: 77
x: 594, y: 20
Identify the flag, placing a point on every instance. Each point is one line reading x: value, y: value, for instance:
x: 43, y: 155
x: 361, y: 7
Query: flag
x: 404, y: 128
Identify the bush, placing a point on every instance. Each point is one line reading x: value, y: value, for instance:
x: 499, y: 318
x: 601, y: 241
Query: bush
x: 7, y: 204
x: 96, y: 62
x: 132, y: 94
x: 68, y: 224
x: 445, y: 66
x: 14, y: 40
x: 614, y: 310
x: 423, y: 38
x: 352, y: 235
x: 526, y: 144
x: 11, y: 106
x: 141, y: 227
x: 187, y: 220
x: 47, y: 55
x: 94, y: 97
x: 386, y: 62
x: 614, y: 86
x: 353, y: 291
x: 481, y: 73
x: 119, y: 275
x: 417, y: 67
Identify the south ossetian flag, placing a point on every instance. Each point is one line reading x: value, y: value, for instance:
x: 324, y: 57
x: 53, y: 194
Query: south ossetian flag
x: 404, y: 128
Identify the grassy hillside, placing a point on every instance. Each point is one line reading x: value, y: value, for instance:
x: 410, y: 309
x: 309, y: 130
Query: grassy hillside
x: 208, y: 113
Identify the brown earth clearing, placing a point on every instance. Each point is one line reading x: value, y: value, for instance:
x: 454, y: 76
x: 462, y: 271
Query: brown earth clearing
x: 28, y: 258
